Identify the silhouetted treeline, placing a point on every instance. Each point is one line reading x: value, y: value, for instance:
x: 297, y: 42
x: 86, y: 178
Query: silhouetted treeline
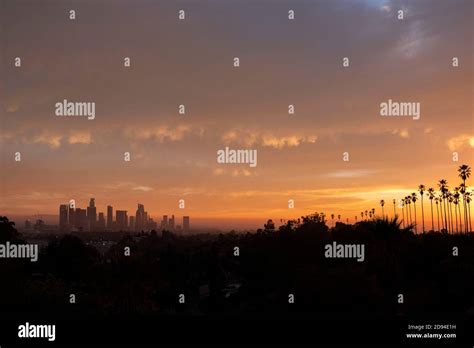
x: 271, y: 264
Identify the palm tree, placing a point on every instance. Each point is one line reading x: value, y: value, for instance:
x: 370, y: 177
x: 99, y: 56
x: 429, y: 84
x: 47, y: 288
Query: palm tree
x: 402, y: 202
x: 462, y: 191
x: 443, y: 188
x: 339, y: 217
x: 366, y: 212
x: 394, y: 208
x: 408, y: 199
x: 459, y: 212
x: 355, y: 218
x: 382, y: 202
x: 456, y: 201
x: 362, y: 216
x: 431, y: 196
x: 437, y: 209
x: 413, y: 199
x: 421, y: 190
x: 468, y: 201
x: 450, y: 205
x: 464, y: 173
x: 332, y: 219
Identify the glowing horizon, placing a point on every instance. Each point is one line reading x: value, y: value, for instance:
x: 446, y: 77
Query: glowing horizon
x: 282, y: 63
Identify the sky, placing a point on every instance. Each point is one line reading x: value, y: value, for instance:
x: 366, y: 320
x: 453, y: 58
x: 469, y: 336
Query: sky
x: 190, y: 62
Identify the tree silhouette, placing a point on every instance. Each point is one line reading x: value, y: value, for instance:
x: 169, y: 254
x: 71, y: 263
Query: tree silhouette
x: 456, y: 206
x: 464, y: 173
x: 408, y: 199
x: 443, y: 188
x: 421, y: 189
x: 450, y: 205
x: 468, y: 201
x: 402, y: 202
x: 8, y: 233
x: 382, y: 203
x: 269, y: 227
x: 431, y: 196
x: 437, y: 200
x: 413, y: 199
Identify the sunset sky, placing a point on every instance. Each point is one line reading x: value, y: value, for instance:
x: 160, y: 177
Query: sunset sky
x: 190, y: 62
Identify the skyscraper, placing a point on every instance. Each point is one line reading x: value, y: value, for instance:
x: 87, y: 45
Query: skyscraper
x: 140, y: 218
x: 185, y: 223
x: 171, y: 223
x: 100, y: 223
x: 164, y: 222
x: 92, y: 214
x: 132, y: 223
x: 110, y: 217
x: 81, y: 222
x: 122, y: 220
x: 71, y: 216
x: 63, y: 220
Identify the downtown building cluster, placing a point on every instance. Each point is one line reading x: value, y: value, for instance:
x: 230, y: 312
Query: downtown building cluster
x: 72, y: 218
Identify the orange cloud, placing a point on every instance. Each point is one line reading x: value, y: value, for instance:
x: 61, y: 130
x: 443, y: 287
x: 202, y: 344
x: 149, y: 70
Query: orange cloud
x: 53, y: 140
x: 160, y: 133
x: 251, y: 138
x: 460, y: 141
x: 80, y: 138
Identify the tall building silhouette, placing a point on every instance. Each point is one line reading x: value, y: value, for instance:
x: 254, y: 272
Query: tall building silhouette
x: 81, y: 222
x: 140, y: 218
x: 122, y: 220
x: 171, y: 223
x: 100, y: 226
x: 110, y: 217
x: 92, y: 214
x: 186, y: 223
x: 164, y: 222
x: 63, y: 217
x: 132, y: 223
x: 71, y: 217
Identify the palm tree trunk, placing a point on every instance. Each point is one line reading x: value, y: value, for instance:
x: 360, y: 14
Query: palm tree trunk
x: 447, y: 212
x: 451, y: 214
x: 383, y: 215
x: 437, y: 209
x: 403, y: 216
x: 422, y: 215
x: 414, y: 207
x: 441, y: 214
x: 460, y: 217
x: 469, y: 216
x: 445, y: 216
x: 463, y: 225
x: 456, y: 215
x: 409, y: 210
x: 432, y: 217
x: 465, y: 208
